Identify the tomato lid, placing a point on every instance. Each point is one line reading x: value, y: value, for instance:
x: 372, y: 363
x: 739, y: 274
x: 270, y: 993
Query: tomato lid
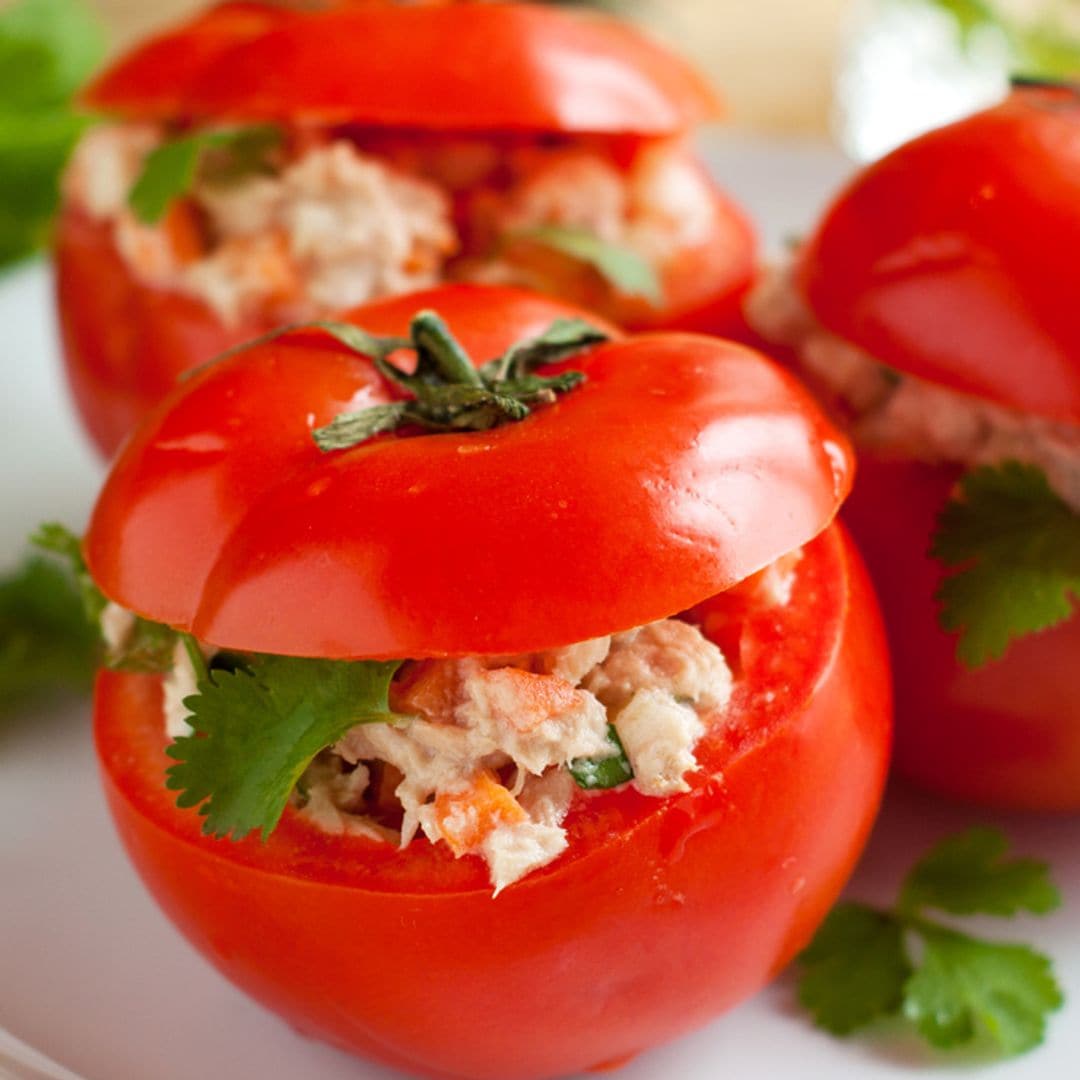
x: 438, y: 66
x: 681, y: 465
x: 953, y: 258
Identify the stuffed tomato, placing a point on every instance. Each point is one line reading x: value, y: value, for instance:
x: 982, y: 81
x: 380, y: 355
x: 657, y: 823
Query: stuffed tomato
x: 267, y: 164
x: 569, y: 721
x: 932, y: 308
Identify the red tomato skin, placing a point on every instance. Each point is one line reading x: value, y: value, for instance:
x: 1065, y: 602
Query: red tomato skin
x: 1006, y: 735
x: 403, y: 546
x: 952, y: 258
x: 125, y: 342
x: 662, y: 914
x: 506, y: 67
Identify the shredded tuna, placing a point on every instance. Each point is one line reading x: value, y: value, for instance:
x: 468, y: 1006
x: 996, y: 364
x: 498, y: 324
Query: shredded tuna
x: 903, y: 416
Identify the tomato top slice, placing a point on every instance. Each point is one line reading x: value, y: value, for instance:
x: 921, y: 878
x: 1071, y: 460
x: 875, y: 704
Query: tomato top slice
x: 441, y: 66
x: 952, y: 258
x: 681, y: 466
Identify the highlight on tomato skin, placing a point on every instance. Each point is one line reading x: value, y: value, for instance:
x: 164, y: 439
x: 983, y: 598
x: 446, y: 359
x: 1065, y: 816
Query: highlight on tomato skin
x: 261, y: 167
x: 584, y: 741
x: 930, y: 309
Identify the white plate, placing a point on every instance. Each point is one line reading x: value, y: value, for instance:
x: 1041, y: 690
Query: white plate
x: 92, y: 975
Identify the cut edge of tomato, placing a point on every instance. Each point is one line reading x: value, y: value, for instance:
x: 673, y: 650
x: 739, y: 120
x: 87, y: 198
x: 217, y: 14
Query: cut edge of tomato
x: 825, y: 573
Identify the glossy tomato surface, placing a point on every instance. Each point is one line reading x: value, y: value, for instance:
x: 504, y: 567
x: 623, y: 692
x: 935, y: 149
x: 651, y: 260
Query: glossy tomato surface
x: 510, y: 70
x: 952, y: 258
x: 661, y: 914
x: 1007, y: 734
x: 680, y: 466
x: 437, y: 66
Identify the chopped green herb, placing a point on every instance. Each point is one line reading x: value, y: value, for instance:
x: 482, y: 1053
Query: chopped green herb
x: 621, y: 267
x: 952, y: 987
x: 603, y: 772
x: 47, y: 49
x: 222, y: 155
x: 1014, y: 547
x: 257, y: 728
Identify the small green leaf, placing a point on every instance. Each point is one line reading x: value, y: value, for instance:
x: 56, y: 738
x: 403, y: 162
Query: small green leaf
x: 1015, y: 546
x: 171, y: 169
x: 624, y: 269
x: 256, y: 730
x: 968, y: 874
x: 46, y: 644
x: 598, y: 773
x: 854, y: 970
x: 963, y: 984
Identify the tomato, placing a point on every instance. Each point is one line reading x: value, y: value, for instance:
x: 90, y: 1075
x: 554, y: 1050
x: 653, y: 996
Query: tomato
x: 662, y: 912
x: 951, y: 258
x: 1007, y: 734
x: 225, y: 488
x: 448, y: 66
x: 412, y: 74
x: 221, y: 516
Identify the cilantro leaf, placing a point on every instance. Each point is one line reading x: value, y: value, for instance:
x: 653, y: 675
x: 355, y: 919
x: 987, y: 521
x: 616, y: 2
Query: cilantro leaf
x: 621, y: 267
x: 1015, y: 547
x: 854, y: 970
x: 171, y: 169
x: 952, y: 987
x: 256, y: 730
x: 967, y: 874
x: 47, y: 49
x: 46, y: 644
x: 963, y: 984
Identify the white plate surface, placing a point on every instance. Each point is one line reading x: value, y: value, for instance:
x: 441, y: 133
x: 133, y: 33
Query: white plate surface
x: 93, y: 976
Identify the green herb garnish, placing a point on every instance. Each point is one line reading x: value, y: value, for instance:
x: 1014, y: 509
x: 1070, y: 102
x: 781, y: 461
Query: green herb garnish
x: 951, y: 986
x: 258, y: 727
x: 621, y: 267
x: 222, y: 155
x: 47, y: 50
x: 1014, y: 548
x: 603, y: 772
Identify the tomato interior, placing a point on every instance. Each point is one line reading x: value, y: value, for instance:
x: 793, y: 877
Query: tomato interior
x: 780, y: 653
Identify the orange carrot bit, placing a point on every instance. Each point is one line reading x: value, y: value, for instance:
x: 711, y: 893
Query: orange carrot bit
x: 428, y: 688
x: 466, y: 818
x: 183, y: 228
x: 524, y: 700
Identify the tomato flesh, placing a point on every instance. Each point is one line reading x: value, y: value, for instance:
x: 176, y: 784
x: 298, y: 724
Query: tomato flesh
x: 662, y: 913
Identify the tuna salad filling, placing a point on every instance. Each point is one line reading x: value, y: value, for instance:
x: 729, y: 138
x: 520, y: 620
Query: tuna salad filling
x: 902, y: 416
x: 486, y: 754
x: 327, y: 221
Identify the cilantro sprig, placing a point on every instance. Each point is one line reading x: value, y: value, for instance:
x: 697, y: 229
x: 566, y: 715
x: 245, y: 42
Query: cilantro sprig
x: 47, y: 50
x: 621, y: 267
x: 170, y: 170
x: 1013, y: 546
x: 600, y: 773
x: 866, y: 963
x: 257, y: 727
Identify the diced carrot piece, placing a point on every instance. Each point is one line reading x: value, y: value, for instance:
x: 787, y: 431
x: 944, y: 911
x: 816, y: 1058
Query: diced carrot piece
x: 428, y: 688
x: 466, y: 818
x: 184, y: 231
